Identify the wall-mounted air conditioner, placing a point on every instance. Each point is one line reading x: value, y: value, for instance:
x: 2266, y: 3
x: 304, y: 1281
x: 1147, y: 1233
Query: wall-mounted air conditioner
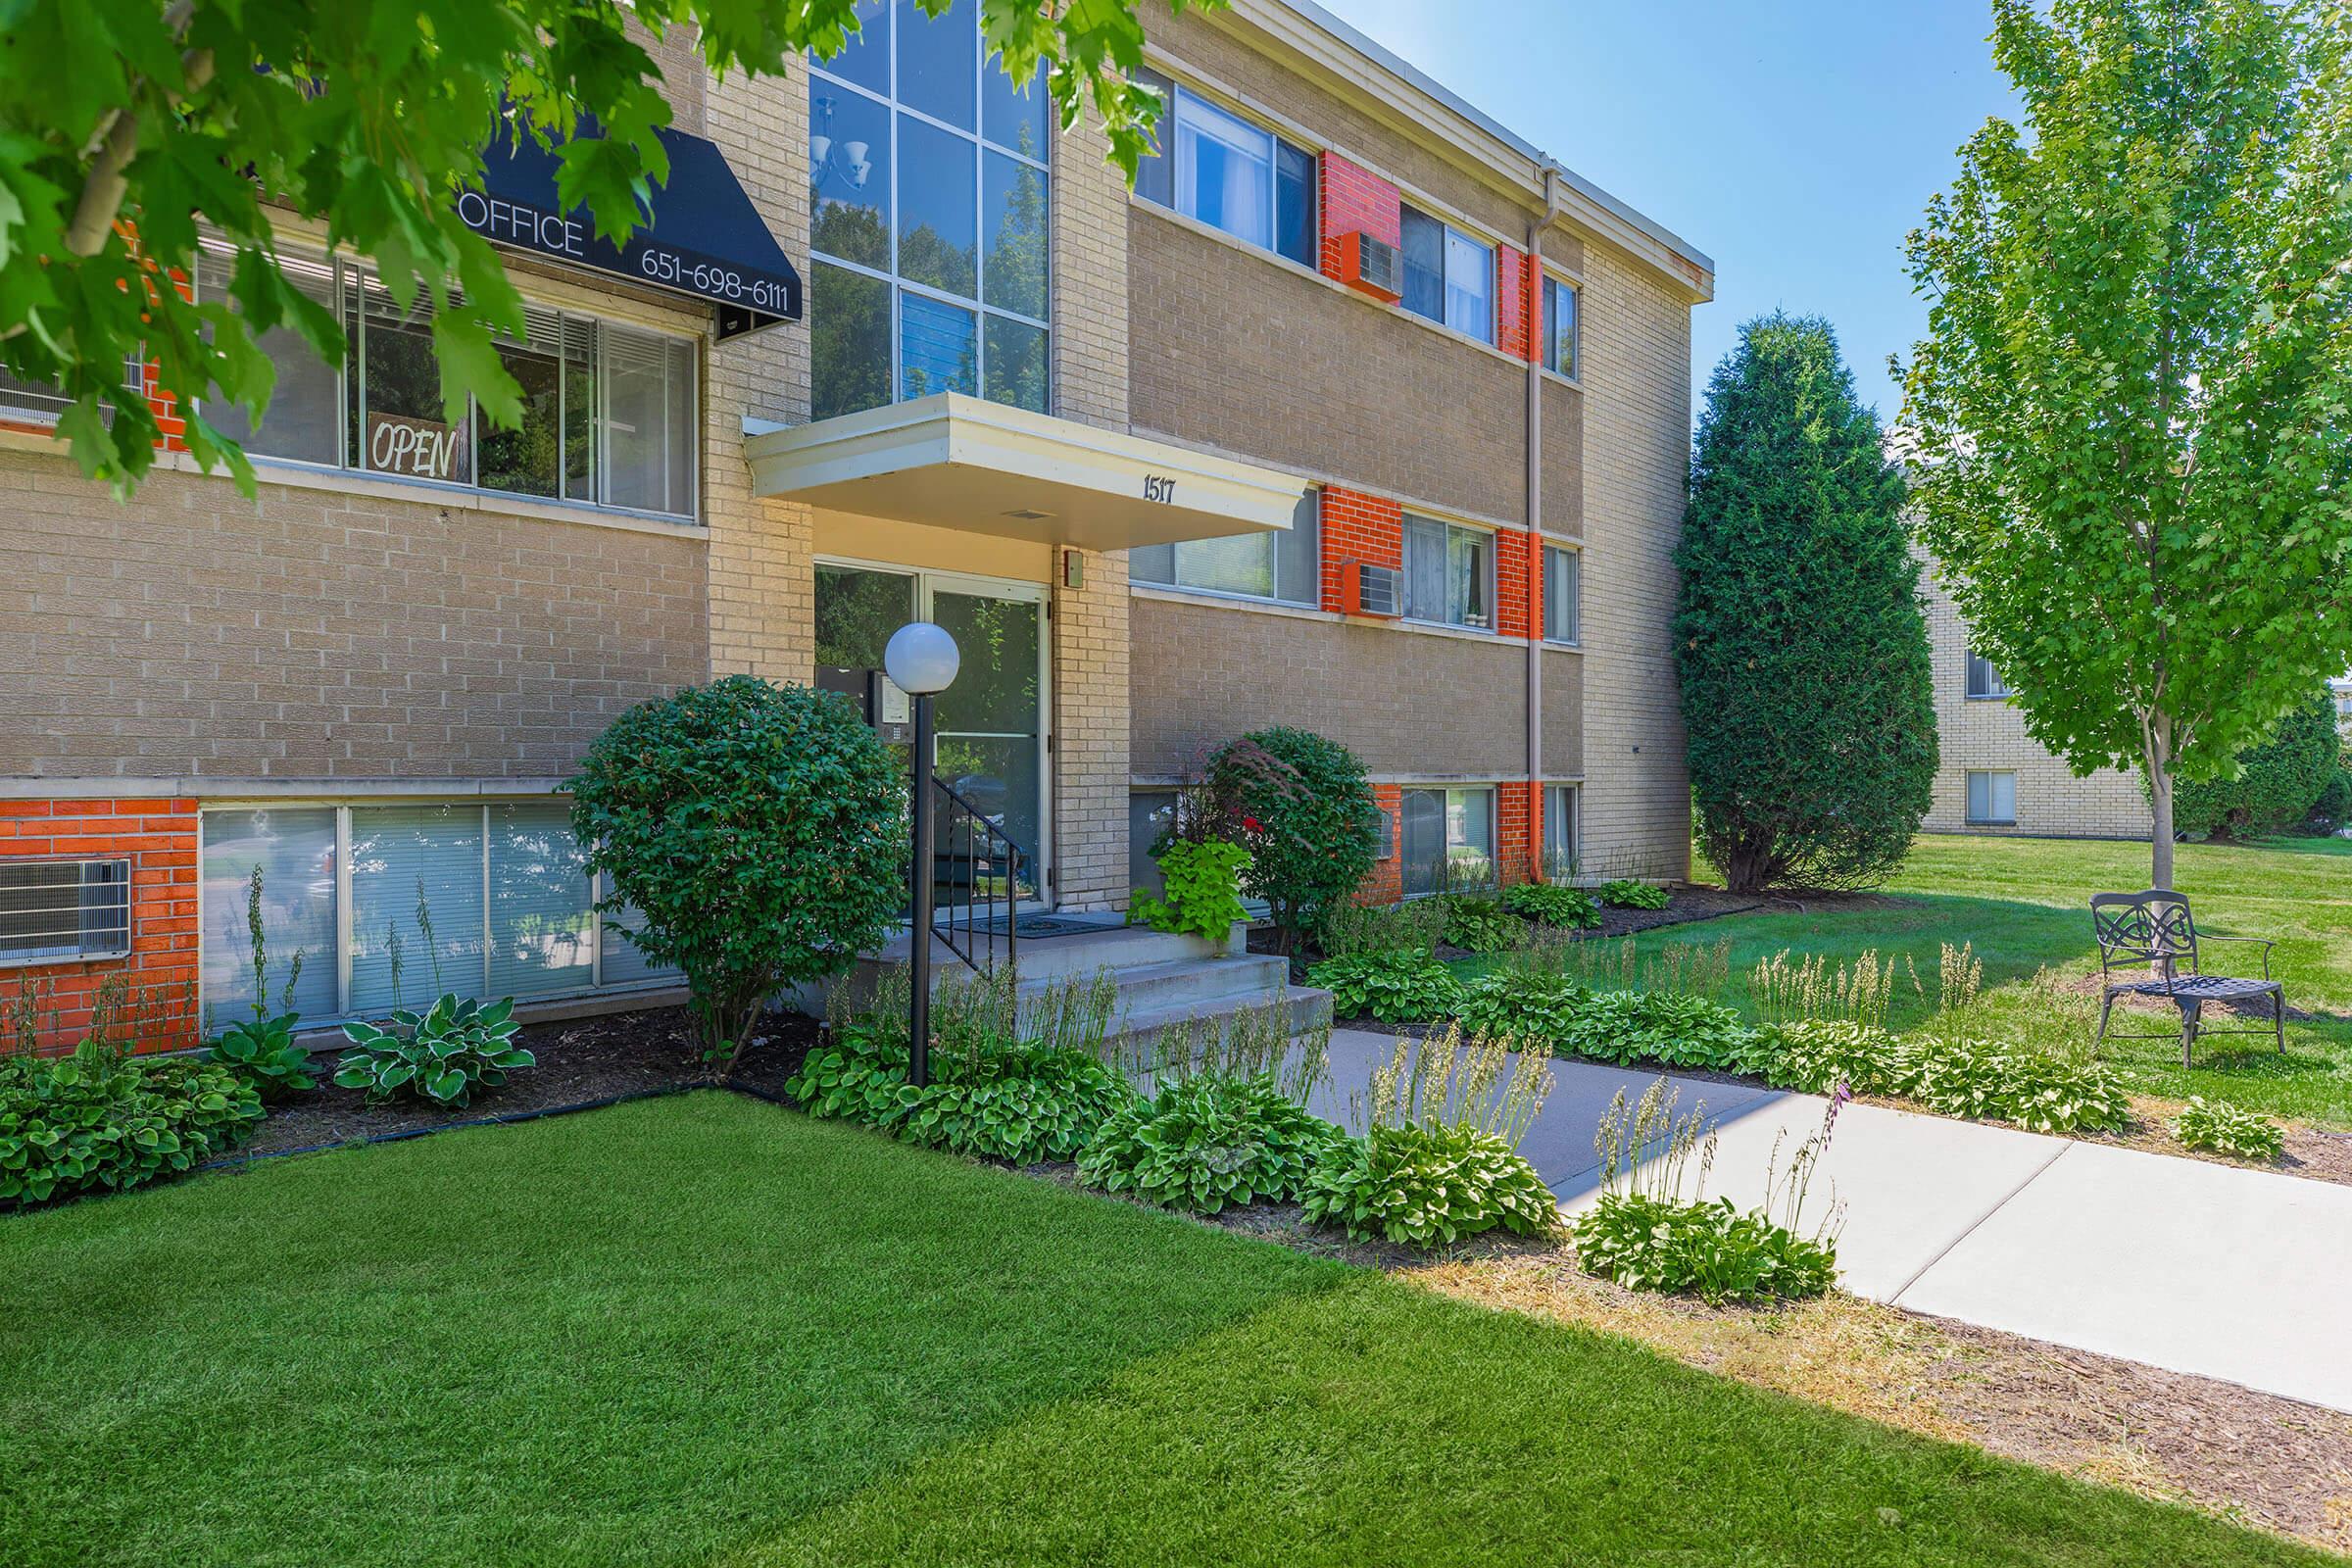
x: 1379, y: 590
x: 1372, y: 266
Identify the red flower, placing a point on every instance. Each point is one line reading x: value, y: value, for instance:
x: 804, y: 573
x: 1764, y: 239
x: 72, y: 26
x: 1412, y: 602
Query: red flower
x: 1250, y: 823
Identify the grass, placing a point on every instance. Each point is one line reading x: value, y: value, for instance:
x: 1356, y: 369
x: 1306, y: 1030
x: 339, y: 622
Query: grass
x: 2024, y: 907
x: 706, y: 1330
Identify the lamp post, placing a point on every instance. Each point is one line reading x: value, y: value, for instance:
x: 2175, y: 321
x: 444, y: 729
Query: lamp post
x: 920, y: 661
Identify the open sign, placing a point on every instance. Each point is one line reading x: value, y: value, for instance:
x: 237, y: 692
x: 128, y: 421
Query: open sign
x: 423, y: 449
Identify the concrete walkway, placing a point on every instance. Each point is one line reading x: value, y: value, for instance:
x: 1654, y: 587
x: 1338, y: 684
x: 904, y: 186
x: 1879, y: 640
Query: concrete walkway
x: 2178, y: 1263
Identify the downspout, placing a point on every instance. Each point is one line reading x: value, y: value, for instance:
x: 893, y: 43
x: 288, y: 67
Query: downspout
x: 1533, y: 306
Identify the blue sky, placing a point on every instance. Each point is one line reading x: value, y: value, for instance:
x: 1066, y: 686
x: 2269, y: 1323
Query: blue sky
x: 1794, y: 141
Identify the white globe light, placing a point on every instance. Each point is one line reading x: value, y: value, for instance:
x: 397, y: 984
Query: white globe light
x: 921, y: 659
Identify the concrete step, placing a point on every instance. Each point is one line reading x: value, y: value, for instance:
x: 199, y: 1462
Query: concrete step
x: 1178, y: 982
x: 1308, y: 1008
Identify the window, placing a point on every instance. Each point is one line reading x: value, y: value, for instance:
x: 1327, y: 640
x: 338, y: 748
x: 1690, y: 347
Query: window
x: 20, y: 398
x: 1448, y: 574
x: 389, y: 904
x: 1560, y: 327
x: 1230, y: 173
x: 928, y: 191
x: 609, y: 415
x: 1559, y: 832
x: 1448, y: 276
x: 1259, y: 565
x: 1561, y: 568
x: 52, y: 909
x: 1992, y: 798
x: 1983, y: 679
x: 1447, y: 839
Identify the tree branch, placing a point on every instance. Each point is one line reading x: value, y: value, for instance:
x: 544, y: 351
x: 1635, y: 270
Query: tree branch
x: 117, y: 139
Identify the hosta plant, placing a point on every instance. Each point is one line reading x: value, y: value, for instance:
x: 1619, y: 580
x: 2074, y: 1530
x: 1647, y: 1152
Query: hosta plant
x: 1210, y: 1142
x: 1553, y: 904
x: 442, y: 1056
x: 1984, y: 1080
x: 1668, y: 1027
x: 1529, y: 1008
x: 1628, y: 892
x: 1477, y: 923
x: 999, y: 1098
x: 1814, y: 1055
x: 263, y: 1054
x: 1428, y: 1185
x: 2225, y: 1129
x: 97, y: 1119
x: 1392, y: 987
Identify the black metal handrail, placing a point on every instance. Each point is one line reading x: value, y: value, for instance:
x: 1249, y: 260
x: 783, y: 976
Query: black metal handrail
x: 971, y: 852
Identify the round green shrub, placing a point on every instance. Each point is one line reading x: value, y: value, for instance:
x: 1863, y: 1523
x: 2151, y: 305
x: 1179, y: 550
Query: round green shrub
x: 2225, y: 1129
x: 759, y: 833
x: 1210, y: 1142
x: 2278, y: 782
x: 1392, y: 987
x: 1630, y: 893
x: 1308, y: 822
x: 1709, y: 1250
x: 2335, y: 800
x: 1531, y: 1009
x: 1428, y: 1186
x: 1020, y: 1101
x: 99, y: 1120
x: 1553, y: 904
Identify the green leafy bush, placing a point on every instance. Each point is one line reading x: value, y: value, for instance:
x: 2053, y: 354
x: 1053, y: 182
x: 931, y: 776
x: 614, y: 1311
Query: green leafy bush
x: 1814, y: 1055
x: 99, y: 1120
x: 1800, y: 647
x: 1393, y: 987
x: 1628, y: 892
x: 1359, y: 930
x: 991, y: 1096
x: 1974, y: 1079
x: 2278, y: 782
x: 1662, y: 1026
x: 1708, y: 1249
x: 2225, y: 1129
x: 263, y: 1052
x: 1208, y: 1141
x: 1307, y: 820
x: 1477, y: 923
x: 1553, y: 904
x: 1529, y: 1008
x: 1428, y: 1186
x: 2335, y: 800
x: 1644, y: 1234
x: 760, y: 834
x: 1203, y: 888
x: 458, y: 1045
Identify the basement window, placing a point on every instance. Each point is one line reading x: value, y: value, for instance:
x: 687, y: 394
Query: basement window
x: 1991, y: 798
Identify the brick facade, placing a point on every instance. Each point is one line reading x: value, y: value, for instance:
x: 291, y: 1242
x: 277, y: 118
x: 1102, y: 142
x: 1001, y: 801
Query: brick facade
x: 152, y: 996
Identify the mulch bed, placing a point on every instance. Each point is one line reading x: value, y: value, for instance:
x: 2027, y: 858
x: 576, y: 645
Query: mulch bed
x: 581, y: 1062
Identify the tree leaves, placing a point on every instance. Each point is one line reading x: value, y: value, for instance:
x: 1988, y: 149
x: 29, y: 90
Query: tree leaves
x: 368, y: 117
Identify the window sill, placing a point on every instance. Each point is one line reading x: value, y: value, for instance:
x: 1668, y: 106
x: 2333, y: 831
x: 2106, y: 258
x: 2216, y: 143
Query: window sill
x: 1975, y: 822
x: 1987, y: 697
x: 346, y: 481
x: 1560, y: 645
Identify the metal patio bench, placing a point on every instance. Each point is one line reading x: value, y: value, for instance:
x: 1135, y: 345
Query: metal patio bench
x: 2146, y: 936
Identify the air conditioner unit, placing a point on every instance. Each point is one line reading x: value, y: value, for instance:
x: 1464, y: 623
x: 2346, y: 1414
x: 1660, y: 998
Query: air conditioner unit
x: 1379, y: 590
x: 1372, y: 266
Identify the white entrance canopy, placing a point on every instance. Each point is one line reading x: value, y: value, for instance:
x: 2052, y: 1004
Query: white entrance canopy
x: 957, y: 462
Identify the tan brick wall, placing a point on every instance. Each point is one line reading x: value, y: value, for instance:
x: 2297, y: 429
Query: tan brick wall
x: 1563, y: 714
x: 1636, y: 423
x: 1091, y: 767
x: 321, y: 632
x: 1974, y: 733
x: 1405, y: 703
x: 1088, y: 272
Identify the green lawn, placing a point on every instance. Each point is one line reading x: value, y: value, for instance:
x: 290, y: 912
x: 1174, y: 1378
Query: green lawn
x: 2023, y: 904
x: 706, y: 1330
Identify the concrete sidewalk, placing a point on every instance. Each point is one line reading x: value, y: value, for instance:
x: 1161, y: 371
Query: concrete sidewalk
x: 2179, y: 1263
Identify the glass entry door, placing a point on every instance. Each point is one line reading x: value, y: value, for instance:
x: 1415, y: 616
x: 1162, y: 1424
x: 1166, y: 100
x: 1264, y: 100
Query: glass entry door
x: 989, y: 741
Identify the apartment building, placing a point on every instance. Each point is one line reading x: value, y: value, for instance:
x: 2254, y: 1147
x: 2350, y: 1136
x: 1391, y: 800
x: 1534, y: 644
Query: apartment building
x: 1992, y: 777
x: 1357, y: 413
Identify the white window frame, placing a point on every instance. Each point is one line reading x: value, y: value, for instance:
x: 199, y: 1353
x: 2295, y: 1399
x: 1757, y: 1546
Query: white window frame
x: 1553, y: 286
x: 348, y: 299
x: 1172, y: 147
x: 1491, y: 849
x: 891, y: 107
x: 1485, y: 541
x: 1456, y: 241
x: 1563, y: 804
x: 1576, y: 593
x: 1968, y: 797
x: 1311, y: 504
x: 1992, y: 689
x: 343, y: 807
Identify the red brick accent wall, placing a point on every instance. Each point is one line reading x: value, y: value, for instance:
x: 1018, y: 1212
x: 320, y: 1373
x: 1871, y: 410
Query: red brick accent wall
x: 1357, y: 527
x: 1385, y: 884
x: 159, y: 837
x: 1517, y: 304
x: 1518, y: 583
x: 1353, y: 199
x: 1519, y: 830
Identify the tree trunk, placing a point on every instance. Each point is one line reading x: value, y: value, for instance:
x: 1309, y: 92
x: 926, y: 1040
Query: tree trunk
x: 2160, y: 807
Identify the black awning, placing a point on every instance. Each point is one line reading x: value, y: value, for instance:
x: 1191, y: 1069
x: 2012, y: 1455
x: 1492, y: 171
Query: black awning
x: 705, y: 239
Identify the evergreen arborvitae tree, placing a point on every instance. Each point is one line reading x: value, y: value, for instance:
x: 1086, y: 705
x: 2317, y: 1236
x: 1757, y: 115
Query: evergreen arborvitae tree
x: 1799, y: 638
